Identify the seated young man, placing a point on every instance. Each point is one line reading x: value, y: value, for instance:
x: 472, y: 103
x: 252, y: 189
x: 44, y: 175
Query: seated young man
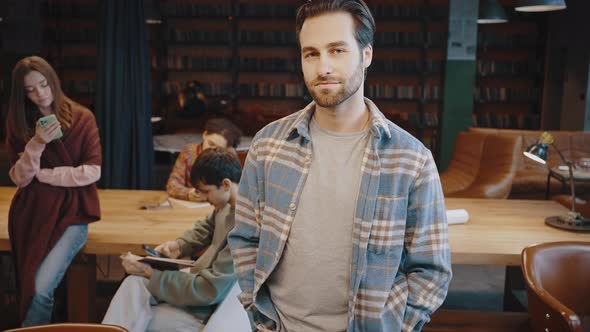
x: 155, y: 300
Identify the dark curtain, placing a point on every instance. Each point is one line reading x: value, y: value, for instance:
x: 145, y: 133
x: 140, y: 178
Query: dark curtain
x: 123, y: 108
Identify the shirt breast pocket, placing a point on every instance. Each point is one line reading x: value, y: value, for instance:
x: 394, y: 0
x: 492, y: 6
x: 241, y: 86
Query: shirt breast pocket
x: 389, y: 225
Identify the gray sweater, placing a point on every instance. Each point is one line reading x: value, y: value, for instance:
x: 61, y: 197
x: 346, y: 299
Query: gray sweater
x: 212, y: 276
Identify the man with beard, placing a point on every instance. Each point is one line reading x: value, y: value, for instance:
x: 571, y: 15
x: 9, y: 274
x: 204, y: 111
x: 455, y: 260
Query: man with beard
x: 340, y: 219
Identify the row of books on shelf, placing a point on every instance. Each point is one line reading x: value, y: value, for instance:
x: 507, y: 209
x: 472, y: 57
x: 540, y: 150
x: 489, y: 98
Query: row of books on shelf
x: 410, y: 38
x: 209, y: 88
x: 427, y: 120
x: 265, y: 89
x: 200, y: 63
x: 505, y: 120
x: 394, y: 38
x: 281, y: 64
x: 187, y: 9
x: 431, y: 119
x: 503, y: 94
x: 288, y: 38
x: 410, y: 92
x: 70, y: 8
x: 277, y: 10
x: 268, y: 37
x: 268, y: 89
x: 405, y: 66
x: 79, y: 86
x: 199, y: 36
x: 177, y: 62
x: 505, y: 40
x: 69, y: 33
x: 274, y: 64
x: 78, y: 61
x: 507, y: 67
x: 412, y: 119
x: 408, y: 11
x: 487, y: 119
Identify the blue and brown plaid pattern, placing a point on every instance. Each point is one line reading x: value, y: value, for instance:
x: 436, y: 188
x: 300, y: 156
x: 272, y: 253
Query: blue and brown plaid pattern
x: 401, y: 264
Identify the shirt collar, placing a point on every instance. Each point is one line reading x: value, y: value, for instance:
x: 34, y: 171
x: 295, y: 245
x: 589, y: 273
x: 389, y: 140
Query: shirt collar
x: 300, y: 126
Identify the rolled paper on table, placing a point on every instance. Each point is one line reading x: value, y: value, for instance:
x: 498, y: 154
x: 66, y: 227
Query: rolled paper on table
x: 459, y: 216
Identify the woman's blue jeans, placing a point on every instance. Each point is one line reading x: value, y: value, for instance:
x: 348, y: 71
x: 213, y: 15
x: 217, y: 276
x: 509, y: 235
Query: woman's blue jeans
x: 51, y: 272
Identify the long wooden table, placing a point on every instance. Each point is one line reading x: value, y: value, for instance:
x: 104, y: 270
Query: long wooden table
x: 123, y: 227
x: 495, y: 234
x: 498, y: 230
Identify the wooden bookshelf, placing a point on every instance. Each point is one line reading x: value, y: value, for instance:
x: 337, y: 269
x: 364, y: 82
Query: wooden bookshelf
x: 245, y: 52
x: 70, y: 37
x: 405, y: 78
x: 245, y: 55
x: 509, y: 73
x: 193, y: 43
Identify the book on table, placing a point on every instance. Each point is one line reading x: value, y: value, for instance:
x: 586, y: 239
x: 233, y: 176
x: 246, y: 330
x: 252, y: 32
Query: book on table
x: 160, y: 263
x: 163, y: 201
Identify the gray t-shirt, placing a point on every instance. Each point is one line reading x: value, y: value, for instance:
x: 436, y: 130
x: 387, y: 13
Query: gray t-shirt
x: 310, y: 284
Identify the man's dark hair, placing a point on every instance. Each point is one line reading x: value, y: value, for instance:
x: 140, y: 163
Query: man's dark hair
x: 215, y: 164
x: 364, y: 24
x: 225, y: 128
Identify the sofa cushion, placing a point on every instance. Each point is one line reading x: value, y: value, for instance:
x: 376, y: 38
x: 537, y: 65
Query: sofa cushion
x: 497, y: 168
x: 464, y: 163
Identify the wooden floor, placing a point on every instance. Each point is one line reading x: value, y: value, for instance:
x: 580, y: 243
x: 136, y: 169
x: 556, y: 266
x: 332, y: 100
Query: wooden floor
x: 472, y: 321
x: 461, y: 320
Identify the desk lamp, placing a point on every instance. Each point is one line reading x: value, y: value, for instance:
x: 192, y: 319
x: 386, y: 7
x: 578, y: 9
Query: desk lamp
x: 572, y: 221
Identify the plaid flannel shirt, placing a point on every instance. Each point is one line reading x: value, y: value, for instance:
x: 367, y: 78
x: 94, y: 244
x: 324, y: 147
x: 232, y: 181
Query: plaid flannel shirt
x: 401, y: 264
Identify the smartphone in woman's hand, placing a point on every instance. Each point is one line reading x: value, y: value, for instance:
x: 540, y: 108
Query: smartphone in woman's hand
x: 44, y: 121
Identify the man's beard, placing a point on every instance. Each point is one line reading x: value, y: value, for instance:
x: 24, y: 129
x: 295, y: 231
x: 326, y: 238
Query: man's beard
x: 325, y: 97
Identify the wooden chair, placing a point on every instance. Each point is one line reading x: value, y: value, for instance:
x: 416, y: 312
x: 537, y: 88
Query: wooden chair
x: 556, y: 277
x: 70, y: 327
x: 497, y: 168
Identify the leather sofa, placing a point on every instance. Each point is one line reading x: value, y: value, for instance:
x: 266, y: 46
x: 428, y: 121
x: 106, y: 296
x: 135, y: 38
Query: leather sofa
x: 483, y: 165
x: 464, y: 163
x: 530, y: 179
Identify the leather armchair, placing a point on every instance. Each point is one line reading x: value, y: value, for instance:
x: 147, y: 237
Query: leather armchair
x: 556, y: 277
x: 497, y: 168
x: 70, y: 327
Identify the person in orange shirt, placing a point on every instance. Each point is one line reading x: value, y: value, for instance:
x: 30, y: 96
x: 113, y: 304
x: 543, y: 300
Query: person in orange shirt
x: 218, y: 132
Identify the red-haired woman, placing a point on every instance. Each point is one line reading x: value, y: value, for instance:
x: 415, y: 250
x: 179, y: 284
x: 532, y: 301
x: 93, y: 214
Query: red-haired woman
x: 217, y: 133
x: 56, y: 196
